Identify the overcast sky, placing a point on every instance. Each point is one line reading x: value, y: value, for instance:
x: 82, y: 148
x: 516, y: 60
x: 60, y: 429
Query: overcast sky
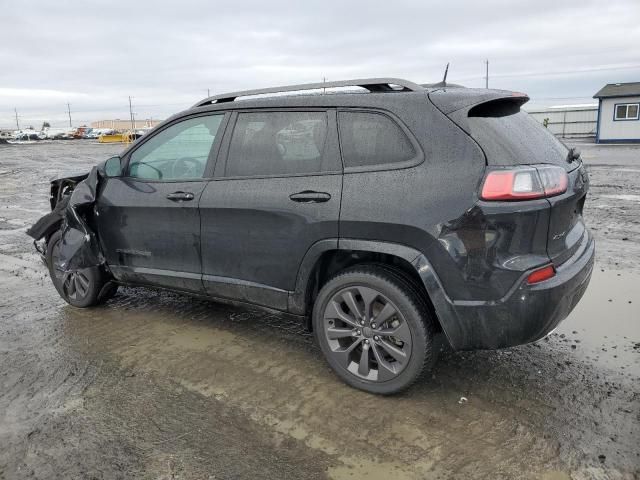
x: 167, y: 54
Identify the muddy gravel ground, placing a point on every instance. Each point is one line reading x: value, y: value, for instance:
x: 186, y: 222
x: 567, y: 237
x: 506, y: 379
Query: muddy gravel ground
x: 164, y: 386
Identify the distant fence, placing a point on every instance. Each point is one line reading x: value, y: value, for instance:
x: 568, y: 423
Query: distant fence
x: 568, y: 122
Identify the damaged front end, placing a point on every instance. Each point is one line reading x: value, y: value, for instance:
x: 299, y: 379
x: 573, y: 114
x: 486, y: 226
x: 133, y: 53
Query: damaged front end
x: 72, y: 199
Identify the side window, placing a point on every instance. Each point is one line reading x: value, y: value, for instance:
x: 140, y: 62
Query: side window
x: 277, y: 143
x: 369, y: 138
x: 178, y: 152
x: 626, y: 111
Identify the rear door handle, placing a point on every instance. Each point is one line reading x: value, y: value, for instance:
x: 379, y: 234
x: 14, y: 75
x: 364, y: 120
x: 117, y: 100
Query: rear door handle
x: 180, y: 196
x: 309, y: 196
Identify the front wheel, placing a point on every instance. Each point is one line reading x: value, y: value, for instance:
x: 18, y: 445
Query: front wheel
x: 80, y: 288
x: 374, y: 329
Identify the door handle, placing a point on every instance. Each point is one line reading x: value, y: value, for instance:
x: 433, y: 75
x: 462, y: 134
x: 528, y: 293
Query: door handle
x: 309, y: 196
x: 180, y: 196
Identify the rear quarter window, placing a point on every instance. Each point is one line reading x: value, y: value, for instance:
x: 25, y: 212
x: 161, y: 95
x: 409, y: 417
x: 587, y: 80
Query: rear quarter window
x: 372, y: 139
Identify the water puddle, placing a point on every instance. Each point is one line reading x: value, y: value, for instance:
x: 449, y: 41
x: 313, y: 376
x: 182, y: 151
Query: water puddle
x: 605, y: 325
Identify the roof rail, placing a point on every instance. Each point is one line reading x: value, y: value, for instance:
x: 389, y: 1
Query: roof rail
x: 371, y: 84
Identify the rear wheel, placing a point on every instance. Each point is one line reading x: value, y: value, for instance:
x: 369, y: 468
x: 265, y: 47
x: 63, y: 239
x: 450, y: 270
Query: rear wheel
x: 80, y: 288
x: 374, y: 329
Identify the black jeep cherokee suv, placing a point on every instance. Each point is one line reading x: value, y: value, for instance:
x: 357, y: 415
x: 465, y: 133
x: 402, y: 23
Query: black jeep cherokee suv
x: 382, y: 217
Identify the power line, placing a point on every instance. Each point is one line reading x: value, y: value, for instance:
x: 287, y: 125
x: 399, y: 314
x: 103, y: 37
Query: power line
x: 102, y: 110
x: 163, y: 104
x: 557, y: 72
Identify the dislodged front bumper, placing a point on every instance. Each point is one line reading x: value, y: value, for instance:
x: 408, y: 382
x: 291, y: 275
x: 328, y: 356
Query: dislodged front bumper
x: 79, y: 247
x: 527, y: 313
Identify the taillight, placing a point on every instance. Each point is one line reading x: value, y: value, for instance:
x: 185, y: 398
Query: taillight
x: 542, y: 274
x: 554, y: 179
x: 524, y: 183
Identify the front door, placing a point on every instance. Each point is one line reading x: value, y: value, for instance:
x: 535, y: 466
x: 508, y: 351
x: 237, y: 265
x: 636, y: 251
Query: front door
x: 275, y: 195
x: 148, y: 219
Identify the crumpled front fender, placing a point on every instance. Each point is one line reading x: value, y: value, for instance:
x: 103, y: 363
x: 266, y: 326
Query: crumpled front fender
x: 79, y: 246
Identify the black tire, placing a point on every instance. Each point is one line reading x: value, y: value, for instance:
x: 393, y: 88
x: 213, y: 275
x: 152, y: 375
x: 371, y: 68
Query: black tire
x: 109, y: 290
x: 387, y: 363
x: 92, y: 279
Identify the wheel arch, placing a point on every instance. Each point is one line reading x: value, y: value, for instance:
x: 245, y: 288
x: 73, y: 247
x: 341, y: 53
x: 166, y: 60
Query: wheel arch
x: 329, y: 256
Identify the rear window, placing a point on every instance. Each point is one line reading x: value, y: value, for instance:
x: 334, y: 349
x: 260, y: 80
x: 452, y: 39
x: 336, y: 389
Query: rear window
x: 369, y: 138
x: 510, y: 136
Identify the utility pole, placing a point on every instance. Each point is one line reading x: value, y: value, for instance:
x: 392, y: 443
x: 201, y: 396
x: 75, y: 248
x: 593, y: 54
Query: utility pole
x: 324, y: 80
x: 133, y: 125
x: 208, y: 93
x: 17, y: 122
x: 69, y: 112
x: 486, y: 78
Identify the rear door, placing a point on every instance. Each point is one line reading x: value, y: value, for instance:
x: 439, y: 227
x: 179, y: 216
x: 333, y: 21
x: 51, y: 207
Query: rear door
x: 148, y: 219
x: 276, y: 192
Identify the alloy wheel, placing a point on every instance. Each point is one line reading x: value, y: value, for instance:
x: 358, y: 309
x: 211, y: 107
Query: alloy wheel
x: 367, y: 334
x: 74, y: 284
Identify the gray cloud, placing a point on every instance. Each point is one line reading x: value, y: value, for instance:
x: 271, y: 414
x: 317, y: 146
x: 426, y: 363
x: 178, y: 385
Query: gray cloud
x: 166, y: 54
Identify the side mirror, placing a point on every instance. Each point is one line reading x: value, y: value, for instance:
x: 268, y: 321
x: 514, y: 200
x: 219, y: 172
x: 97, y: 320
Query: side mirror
x: 111, y: 167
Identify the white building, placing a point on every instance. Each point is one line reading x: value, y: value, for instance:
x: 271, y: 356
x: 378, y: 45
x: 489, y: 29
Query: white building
x: 618, y: 113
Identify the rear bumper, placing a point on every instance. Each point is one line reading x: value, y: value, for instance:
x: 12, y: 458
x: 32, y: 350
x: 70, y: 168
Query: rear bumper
x: 527, y: 313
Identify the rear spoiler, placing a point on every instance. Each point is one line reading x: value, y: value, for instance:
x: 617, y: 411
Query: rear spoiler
x: 452, y: 100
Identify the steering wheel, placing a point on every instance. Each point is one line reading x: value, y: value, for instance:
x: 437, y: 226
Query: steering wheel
x: 282, y: 149
x: 186, y: 167
x: 148, y: 166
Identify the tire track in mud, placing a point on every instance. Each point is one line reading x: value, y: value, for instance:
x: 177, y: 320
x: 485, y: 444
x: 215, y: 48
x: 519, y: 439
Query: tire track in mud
x: 278, y: 380
x: 146, y: 333
x: 286, y: 387
x: 59, y: 404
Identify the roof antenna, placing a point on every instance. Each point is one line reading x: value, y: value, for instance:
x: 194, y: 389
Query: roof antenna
x: 443, y: 83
